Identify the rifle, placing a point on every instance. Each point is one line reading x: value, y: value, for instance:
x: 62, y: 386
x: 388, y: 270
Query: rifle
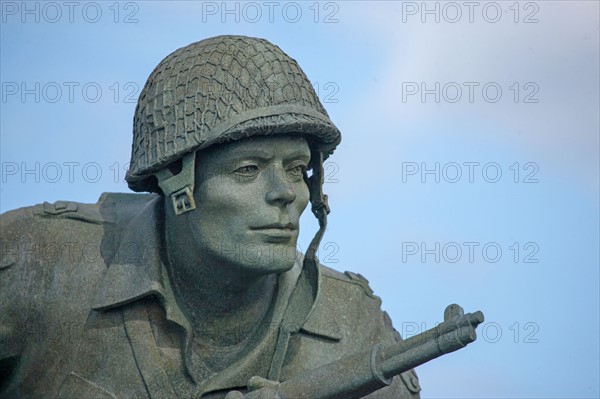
x: 366, y: 372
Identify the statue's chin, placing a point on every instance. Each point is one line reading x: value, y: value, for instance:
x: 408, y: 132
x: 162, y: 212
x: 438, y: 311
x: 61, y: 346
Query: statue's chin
x: 268, y: 259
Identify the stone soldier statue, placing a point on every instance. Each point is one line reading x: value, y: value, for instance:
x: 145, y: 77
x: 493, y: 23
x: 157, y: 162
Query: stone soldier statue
x: 196, y: 289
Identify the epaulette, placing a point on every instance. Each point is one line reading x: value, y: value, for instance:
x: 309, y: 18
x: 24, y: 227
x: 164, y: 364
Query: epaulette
x: 351, y: 278
x: 70, y: 210
x: 21, y: 217
x: 359, y: 279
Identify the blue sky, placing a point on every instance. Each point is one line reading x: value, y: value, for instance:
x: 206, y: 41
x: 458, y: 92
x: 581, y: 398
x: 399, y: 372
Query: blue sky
x: 372, y: 62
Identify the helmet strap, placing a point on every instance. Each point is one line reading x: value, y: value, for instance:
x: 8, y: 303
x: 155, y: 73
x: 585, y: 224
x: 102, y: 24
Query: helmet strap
x: 320, y: 207
x: 179, y: 187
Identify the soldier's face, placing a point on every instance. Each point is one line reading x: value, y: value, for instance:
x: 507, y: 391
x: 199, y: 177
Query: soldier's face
x: 250, y: 195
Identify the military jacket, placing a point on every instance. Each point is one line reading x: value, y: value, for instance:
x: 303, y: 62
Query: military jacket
x: 87, y: 311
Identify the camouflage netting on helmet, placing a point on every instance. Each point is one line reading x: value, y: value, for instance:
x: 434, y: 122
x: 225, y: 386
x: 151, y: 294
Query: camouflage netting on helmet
x: 220, y: 89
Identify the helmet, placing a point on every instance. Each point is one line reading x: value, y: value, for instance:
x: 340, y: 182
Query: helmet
x: 215, y: 90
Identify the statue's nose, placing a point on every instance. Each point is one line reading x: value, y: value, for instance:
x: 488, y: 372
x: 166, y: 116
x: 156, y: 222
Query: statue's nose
x: 281, y: 191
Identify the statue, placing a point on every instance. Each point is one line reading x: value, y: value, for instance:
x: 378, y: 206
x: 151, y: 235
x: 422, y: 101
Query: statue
x: 196, y: 289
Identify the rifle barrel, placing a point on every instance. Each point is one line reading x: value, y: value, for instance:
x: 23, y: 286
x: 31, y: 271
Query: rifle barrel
x: 369, y: 370
x: 469, y: 319
x: 429, y: 350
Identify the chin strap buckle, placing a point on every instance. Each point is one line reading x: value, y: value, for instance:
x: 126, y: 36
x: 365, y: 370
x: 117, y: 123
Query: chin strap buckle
x: 179, y: 187
x: 183, y: 200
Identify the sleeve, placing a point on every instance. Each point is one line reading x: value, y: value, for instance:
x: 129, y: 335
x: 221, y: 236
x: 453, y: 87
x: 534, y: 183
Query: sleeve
x: 13, y: 287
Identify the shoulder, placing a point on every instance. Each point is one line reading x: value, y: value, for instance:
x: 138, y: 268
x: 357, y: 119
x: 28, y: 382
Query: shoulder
x: 349, y: 293
x: 347, y: 318
x: 52, y: 257
x: 348, y: 280
x: 27, y: 232
x: 348, y: 307
x: 39, y: 240
x: 110, y: 208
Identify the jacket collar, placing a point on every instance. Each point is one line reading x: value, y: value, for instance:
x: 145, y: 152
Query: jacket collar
x: 136, y: 270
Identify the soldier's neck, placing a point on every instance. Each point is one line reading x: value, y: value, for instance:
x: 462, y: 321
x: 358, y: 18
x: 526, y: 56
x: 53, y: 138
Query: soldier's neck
x: 225, y: 306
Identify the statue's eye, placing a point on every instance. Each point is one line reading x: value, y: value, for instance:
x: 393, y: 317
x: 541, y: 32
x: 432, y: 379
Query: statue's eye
x: 247, y: 170
x: 297, y: 171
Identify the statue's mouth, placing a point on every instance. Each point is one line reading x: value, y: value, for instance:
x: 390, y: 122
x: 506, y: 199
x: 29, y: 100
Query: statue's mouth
x: 277, y: 233
x: 277, y: 226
